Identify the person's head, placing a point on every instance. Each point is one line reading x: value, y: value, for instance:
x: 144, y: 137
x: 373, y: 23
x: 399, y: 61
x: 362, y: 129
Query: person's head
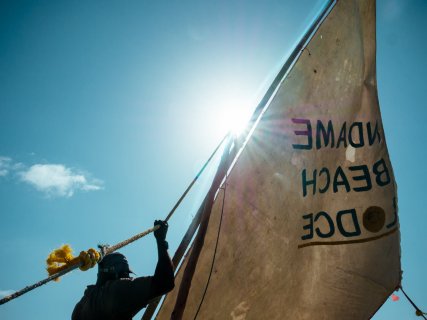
x: 113, y: 266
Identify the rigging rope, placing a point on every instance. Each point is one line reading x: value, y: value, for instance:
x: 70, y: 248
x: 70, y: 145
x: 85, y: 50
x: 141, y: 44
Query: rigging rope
x: 216, y: 246
x: 67, y: 263
x: 418, y: 312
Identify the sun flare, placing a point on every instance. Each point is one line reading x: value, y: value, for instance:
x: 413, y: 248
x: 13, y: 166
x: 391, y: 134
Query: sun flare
x: 235, y: 121
x: 232, y: 108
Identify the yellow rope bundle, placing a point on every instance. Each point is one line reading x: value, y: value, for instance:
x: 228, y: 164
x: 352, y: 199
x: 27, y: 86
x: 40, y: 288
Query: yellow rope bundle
x: 62, y: 258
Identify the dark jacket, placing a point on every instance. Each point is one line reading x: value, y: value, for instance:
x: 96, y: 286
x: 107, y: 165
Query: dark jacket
x: 121, y: 299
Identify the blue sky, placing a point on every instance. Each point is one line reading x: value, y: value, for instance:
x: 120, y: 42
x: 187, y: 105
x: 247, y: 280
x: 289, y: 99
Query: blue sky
x: 108, y: 109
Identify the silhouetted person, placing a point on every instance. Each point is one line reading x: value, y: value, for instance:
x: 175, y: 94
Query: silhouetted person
x: 118, y: 296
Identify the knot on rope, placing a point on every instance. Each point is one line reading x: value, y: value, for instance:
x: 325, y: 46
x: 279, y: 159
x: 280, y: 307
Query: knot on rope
x: 419, y: 313
x: 62, y: 258
x: 89, y: 259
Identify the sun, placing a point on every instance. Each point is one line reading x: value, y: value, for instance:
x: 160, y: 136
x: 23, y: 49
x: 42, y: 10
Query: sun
x: 230, y: 108
x: 236, y: 120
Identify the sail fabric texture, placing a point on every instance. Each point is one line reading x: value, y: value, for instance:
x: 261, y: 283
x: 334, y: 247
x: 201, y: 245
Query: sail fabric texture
x: 308, y: 228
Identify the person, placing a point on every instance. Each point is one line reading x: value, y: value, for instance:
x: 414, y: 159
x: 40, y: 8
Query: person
x: 118, y: 296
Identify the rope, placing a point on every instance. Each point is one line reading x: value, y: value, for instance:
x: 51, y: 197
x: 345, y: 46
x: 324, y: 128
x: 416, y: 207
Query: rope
x: 216, y: 247
x: 418, y: 312
x: 111, y: 249
x: 198, y: 242
x: 195, y: 178
x: 36, y: 285
x: 73, y: 263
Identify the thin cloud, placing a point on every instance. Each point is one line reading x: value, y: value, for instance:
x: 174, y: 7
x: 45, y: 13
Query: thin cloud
x: 4, y: 293
x: 56, y: 180
x: 5, y: 164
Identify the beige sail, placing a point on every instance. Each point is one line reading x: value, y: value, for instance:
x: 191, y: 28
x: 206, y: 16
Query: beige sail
x: 309, y: 225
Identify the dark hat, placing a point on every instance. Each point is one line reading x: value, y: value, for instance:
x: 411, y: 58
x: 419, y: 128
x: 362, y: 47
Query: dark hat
x: 114, y: 263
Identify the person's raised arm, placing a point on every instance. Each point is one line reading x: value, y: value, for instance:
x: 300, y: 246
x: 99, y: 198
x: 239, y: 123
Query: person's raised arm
x: 163, y: 280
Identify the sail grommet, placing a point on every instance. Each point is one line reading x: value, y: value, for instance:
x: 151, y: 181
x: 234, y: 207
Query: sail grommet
x: 374, y: 219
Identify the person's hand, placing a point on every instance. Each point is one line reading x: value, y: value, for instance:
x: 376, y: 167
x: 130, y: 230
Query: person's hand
x: 160, y: 233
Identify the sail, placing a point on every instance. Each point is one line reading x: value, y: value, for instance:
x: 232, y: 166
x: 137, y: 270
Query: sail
x: 306, y: 225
